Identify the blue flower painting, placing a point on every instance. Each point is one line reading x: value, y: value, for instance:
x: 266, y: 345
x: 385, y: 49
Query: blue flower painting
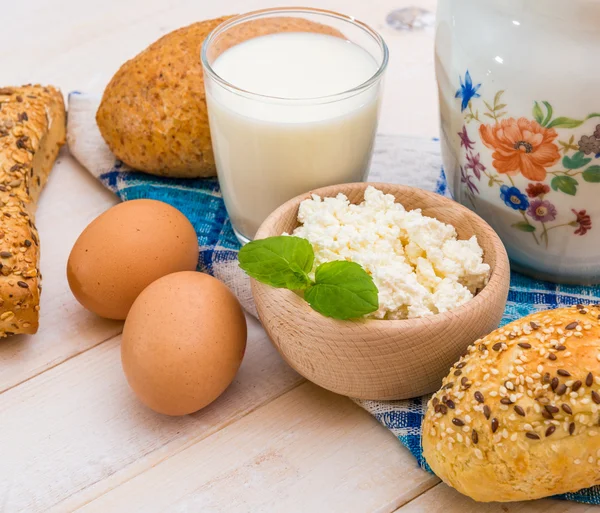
x: 467, y: 91
x: 513, y: 198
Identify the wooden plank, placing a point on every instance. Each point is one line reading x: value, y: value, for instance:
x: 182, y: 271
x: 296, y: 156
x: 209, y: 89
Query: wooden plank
x: 443, y: 499
x: 77, y: 430
x: 309, y: 450
x: 71, y: 200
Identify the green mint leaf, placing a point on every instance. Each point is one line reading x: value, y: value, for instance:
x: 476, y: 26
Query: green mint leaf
x: 576, y: 161
x: 565, y: 184
x: 342, y: 290
x: 282, y: 262
x: 592, y: 174
x: 524, y: 226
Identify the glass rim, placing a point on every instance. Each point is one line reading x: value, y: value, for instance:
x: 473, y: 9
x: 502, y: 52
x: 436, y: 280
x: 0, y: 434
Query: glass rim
x: 298, y: 10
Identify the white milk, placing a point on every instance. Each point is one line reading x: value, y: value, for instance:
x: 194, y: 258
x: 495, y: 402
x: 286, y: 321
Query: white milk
x: 269, y: 150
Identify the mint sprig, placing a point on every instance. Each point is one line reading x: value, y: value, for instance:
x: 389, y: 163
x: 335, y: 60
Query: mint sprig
x: 282, y: 262
x: 341, y: 289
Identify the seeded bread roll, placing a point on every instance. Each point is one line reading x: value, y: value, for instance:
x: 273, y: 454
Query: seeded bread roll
x: 32, y: 130
x: 518, y: 417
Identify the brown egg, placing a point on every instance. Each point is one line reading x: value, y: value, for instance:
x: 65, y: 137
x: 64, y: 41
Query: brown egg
x: 183, y: 342
x: 124, y: 250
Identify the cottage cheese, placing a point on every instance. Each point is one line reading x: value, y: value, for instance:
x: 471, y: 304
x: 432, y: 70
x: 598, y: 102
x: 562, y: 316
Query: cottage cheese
x: 417, y: 263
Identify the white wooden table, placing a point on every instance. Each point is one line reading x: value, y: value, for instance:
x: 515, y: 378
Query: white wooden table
x: 72, y: 435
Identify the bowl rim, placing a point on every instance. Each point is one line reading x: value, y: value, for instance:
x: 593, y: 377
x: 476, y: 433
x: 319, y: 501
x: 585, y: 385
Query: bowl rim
x: 497, y: 280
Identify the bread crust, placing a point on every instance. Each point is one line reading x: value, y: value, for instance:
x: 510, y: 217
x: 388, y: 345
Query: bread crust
x: 32, y: 130
x: 518, y: 417
x: 153, y: 112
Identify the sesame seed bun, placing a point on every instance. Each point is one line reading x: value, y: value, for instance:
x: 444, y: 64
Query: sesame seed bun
x: 518, y: 416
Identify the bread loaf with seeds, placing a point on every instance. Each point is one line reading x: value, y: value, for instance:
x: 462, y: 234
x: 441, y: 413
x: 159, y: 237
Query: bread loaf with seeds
x: 32, y: 130
x: 518, y: 417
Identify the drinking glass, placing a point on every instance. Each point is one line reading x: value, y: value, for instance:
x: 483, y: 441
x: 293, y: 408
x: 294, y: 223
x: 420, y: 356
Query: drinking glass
x: 270, y: 149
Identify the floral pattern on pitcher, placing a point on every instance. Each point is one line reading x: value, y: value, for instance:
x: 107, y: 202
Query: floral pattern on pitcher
x: 539, y: 149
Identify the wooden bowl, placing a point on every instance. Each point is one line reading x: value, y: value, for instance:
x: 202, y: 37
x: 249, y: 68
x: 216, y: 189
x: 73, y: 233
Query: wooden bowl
x: 382, y: 359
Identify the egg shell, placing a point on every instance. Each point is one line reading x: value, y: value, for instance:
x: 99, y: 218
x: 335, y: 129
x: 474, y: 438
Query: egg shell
x: 125, y: 249
x: 183, y: 342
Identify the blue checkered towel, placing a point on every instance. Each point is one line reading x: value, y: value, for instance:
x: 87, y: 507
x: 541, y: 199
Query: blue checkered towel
x: 397, y: 159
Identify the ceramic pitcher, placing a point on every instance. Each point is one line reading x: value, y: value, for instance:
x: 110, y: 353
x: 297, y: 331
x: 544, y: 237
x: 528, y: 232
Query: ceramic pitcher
x: 519, y: 89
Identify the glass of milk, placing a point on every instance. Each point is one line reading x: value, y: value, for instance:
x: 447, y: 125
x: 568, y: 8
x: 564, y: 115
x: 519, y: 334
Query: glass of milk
x: 293, y: 99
